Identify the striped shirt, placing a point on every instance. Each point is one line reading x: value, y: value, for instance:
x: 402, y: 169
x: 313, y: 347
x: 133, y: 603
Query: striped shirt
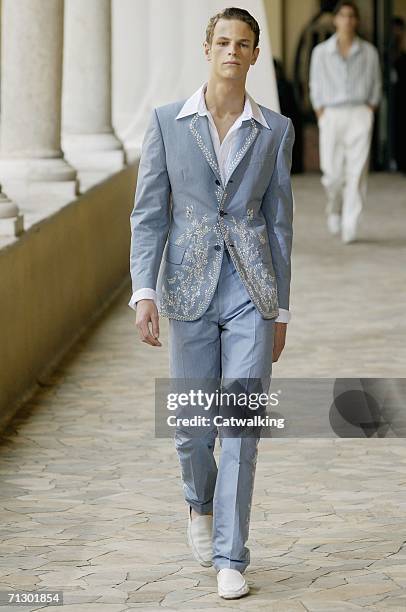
x: 335, y: 80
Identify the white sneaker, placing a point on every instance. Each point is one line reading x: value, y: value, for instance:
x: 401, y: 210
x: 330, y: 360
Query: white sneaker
x: 348, y: 235
x: 334, y: 223
x: 199, y: 535
x: 231, y: 584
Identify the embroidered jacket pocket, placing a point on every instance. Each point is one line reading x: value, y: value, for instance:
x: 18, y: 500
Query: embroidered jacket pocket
x: 175, y: 253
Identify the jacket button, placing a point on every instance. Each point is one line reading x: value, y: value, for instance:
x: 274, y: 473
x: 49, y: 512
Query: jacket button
x: 217, y: 247
x: 222, y: 213
x: 217, y: 182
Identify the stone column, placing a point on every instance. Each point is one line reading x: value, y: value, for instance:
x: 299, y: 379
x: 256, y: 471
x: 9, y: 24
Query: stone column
x: 31, y: 159
x: 88, y: 139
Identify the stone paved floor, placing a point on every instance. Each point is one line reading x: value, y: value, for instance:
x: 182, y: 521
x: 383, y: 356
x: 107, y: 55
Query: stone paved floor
x: 92, y: 503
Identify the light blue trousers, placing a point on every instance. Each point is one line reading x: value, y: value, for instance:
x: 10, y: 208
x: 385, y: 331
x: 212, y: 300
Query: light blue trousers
x: 231, y: 340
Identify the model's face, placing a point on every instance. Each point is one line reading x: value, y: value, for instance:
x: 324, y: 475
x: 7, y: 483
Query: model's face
x: 346, y: 21
x: 232, y: 50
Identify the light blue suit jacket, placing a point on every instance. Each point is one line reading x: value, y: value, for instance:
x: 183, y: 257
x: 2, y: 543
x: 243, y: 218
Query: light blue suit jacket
x: 183, y: 215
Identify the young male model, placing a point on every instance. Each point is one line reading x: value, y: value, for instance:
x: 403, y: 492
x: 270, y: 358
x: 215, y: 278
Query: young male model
x: 224, y: 280
x: 345, y: 89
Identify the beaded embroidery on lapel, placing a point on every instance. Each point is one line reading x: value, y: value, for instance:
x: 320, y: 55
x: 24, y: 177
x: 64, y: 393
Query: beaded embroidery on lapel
x: 242, y: 150
x: 211, y: 160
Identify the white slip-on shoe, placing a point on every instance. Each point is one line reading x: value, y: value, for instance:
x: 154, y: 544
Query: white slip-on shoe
x: 199, y: 535
x: 231, y: 583
x: 348, y: 235
x: 334, y: 223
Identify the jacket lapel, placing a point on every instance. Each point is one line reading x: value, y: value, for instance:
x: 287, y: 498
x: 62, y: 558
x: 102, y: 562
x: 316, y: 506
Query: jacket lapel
x: 246, y: 134
x: 199, y: 128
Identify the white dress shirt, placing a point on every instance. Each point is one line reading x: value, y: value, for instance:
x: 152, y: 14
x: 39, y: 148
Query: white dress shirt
x: 335, y: 80
x: 197, y: 104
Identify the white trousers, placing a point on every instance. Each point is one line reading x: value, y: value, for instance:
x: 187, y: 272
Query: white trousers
x: 345, y: 140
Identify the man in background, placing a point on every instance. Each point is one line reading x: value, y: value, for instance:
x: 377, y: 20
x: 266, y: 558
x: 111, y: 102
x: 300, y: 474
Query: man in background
x: 345, y: 90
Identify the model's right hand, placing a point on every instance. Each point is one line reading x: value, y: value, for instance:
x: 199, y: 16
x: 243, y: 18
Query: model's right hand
x: 146, y: 313
x: 319, y: 112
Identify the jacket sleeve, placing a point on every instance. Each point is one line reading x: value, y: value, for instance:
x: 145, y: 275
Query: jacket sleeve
x: 315, y: 80
x: 277, y: 206
x: 150, y: 217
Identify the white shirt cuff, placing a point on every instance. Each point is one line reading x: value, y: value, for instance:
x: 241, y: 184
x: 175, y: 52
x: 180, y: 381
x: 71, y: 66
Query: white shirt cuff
x: 284, y: 316
x: 142, y: 294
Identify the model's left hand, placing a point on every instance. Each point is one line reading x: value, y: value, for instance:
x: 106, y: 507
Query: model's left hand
x: 279, y: 340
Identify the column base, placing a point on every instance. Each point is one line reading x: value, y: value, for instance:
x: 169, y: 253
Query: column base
x: 11, y: 220
x: 91, y: 178
x: 49, y: 169
x: 8, y: 209
x: 133, y: 153
x: 21, y: 190
x: 12, y: 226
x: 94, y: 152
x: 27, y: 177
